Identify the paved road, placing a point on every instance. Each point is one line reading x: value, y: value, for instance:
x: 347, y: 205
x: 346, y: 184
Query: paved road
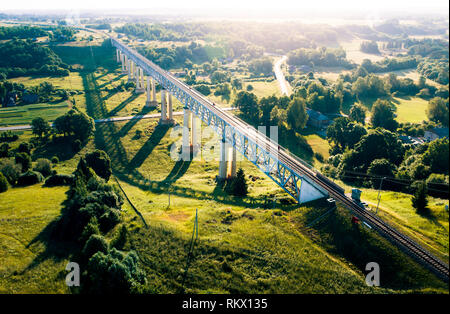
x: 284, y: 85
x: 107, y: 120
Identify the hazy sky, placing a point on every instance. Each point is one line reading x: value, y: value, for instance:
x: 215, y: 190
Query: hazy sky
x: 438, y: 6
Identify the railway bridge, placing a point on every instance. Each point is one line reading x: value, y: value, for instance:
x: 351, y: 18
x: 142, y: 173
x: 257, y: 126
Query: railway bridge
x: 291, y: 173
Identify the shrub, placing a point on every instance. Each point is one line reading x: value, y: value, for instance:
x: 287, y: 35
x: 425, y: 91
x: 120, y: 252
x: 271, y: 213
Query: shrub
x: 55, y: 160
x: 43, y: 166
x: 3, y: 183
x: 419, y: 199
x: 95, y: 243
x: 121, y: 239
x: 109, y: 219
x: 239, y: 184
x: 114, y: 273
x: 24, y: 148
x: 99, y: 161
x: 59, y: 179
x: 90, y: 229
x: 76, y: 145
x: 10, y: 170
x: 4, y: 150
x: 24, y: 160
x: 29, y: 178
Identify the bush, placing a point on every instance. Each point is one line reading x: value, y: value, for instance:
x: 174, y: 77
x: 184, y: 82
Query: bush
x: 10, y: 170
x: 95, y: 243
x: 239, y: 184
x: 4, y: 150
x: 55, y: 160
x: 121, y: 239
x: 99, y: 161
x: 24, y: 160
x: 114, y: 273
x: 90, y: 229
x: 24, y: 148
x: 109, y: 219
x: 419, y: 199
x: 3, y: 183
x: 59, y: 179
x: 29, y: 178
x: 43, y: 166
x: 76, y: 145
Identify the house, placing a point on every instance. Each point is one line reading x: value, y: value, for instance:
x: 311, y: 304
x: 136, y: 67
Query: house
x: 436, y: 133
x: 10, y: 100
x: 317, y: 119
x: 411, y: 140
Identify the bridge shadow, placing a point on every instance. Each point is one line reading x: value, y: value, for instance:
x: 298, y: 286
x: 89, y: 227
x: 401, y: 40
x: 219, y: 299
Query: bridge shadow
x: 117, y: 78
x: 178, y: 170
x: 158, y: 133
x: 122, y: 104
x: 131, y: 123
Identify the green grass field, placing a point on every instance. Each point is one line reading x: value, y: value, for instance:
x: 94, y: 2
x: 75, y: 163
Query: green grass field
x: 250, y: 245
x: 25, y: 114
x: 28, y: 263
x: 412, y: 109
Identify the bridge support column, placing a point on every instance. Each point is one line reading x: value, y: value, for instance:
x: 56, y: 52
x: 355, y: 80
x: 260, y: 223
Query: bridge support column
x: 170, y: 109
x: 223, y: 160
x: 194, y: 138
x: 164, y: 108
x: 186, y: 147
x: 130, y: 70
x: 154, y: 91
x: 150, y: 102
x: 233, y: 162
x: 139, y: 81
x: 117, y: 55
x: 122, y: 59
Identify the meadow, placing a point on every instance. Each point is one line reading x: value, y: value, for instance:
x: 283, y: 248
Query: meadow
x: 263, y: 243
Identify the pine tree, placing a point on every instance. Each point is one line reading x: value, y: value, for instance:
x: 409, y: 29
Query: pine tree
x: 239, y: 184
x: 419, y: 199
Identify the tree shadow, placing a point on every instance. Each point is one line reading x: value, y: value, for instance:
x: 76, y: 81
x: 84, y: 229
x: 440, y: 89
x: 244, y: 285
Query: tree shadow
x: 57, y: 147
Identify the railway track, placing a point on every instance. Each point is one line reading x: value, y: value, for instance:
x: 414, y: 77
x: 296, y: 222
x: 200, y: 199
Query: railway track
x: 298, y: 165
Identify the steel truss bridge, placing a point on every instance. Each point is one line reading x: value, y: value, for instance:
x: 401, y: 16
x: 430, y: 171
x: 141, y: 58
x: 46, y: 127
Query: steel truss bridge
x: 291, y: 173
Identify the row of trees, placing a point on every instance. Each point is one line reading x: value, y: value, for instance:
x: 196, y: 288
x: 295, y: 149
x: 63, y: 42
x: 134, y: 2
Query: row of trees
x: 319, y: 57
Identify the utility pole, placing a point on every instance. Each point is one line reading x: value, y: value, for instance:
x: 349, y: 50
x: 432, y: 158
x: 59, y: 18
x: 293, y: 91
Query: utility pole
x: 379, y: 194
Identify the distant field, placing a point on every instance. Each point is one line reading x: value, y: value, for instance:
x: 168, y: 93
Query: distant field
x: 25, y: 114
x: 411, y: 110
x: 264, y: 89
x: 28, y: 264
x: 73, y: 81
x: 318, y: 145
x: 354, y: 54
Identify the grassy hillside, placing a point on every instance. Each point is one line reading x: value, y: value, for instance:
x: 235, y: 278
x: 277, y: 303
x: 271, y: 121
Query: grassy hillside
x: 29, y: 263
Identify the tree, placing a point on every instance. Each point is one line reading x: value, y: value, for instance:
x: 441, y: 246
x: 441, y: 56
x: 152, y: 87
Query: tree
x: 381, y: 168
x: 95, y: 243
x: 345, y: 133
x: 248, y: 104
x: 296, y: 114
x: 99, y: 161
x: 43, y: 166
x: 437, y: 110
x: 10, y: 170
x: 358, y: 113
x: 4, y: 150
x: 114, y: 273
x: 383, y: 116
x: 24, y: 160
x: 75, y: 123
x: 40, y: 127
x: 437, y: 156
x: 3, y: 183
x: 419, y: 200
x: 239, y: 185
